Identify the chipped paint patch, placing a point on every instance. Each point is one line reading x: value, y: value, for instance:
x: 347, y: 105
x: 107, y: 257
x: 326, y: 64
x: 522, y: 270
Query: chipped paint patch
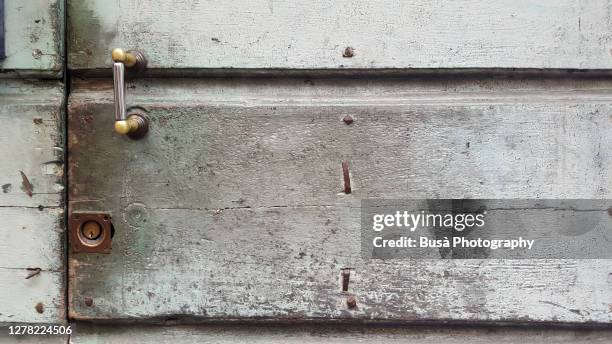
x: 6, y: 188
x: 26, y: 186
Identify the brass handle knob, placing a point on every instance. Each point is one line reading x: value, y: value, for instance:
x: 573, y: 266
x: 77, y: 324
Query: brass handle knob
x: 132, y: 59
x: 134, y: 125
x: 127, y: 126
x: 127, y: 58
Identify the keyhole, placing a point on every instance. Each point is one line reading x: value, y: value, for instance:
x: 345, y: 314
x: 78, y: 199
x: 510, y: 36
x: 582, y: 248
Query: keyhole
x: 91, y: 230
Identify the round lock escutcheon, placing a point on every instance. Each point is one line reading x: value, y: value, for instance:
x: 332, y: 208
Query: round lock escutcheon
x: 91, y: 233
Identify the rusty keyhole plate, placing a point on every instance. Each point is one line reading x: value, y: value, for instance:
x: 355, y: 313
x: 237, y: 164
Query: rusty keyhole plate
x: 90, y: 232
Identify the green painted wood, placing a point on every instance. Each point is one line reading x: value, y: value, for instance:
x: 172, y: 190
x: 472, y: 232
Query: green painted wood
x: 31, y: 113
x: 232, y: 207
x: 34, y: 38
x: 31, y: 212
x: 270, y: 34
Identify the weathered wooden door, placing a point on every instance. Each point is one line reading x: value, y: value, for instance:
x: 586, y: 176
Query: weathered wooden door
x: 233, y: 206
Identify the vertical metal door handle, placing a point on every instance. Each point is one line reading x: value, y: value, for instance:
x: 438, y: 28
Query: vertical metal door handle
x: 119, y: 91
x: 134, y: 125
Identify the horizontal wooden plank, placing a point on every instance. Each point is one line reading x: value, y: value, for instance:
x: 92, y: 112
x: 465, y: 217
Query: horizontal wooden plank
x: 34, y: 38
x: 285, y: 264
x: 216, y: 144
x: 333, y: 334
x: 360, y: 34
x: 237, y: 190
x: 32, y: 250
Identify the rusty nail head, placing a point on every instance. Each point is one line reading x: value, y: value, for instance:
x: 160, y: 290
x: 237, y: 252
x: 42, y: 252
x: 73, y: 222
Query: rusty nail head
x: 88, y: 301
x: 348, y: 52
x: 348, y: 119
x: 40, y: 308
x: 351, y: 302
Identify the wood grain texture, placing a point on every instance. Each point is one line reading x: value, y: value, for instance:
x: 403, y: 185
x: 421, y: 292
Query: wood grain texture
x: 34, y: 34
x: 31, y: 230
x: 316, y: 34
x: 232, y: 206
